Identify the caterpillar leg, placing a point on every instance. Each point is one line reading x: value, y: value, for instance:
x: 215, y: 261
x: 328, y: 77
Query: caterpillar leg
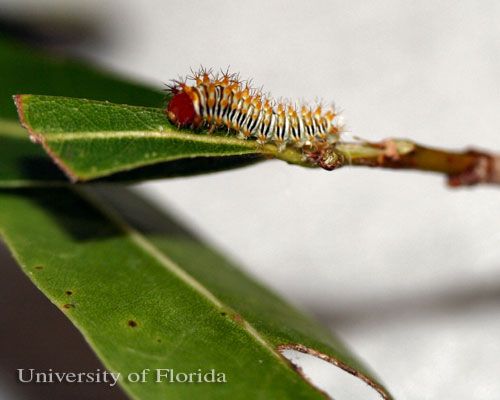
x: 244, y: 134
x: 211, y: 129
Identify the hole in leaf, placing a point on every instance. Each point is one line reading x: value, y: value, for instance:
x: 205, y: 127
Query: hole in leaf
x: 69, y: 292
x: 329, y: 377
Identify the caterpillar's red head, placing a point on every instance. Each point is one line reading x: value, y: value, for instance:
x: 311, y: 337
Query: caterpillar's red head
x: 180, y: 110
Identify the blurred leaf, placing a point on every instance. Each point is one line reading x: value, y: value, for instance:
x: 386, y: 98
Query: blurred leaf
x: 25, y: 70
x: 22, y: 162
x: 147, y: 294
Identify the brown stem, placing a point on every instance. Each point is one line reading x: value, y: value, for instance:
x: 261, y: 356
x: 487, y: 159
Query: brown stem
x: 462, y: 168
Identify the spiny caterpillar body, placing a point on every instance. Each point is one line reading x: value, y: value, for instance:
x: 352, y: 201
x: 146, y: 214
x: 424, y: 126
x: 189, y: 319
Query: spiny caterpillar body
x: 217, y: 100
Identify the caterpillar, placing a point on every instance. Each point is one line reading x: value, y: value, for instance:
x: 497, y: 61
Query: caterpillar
x: 223, y: 100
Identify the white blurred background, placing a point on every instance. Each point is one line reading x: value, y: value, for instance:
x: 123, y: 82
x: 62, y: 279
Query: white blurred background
x: 404, y: 269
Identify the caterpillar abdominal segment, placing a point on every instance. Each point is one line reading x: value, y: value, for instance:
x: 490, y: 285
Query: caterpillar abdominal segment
x: 213, y: 101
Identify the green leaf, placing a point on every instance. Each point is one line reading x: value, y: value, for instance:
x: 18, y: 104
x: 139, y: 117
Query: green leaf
x: 25, y: 70
x: 91, y: 139
x: 147, y: 294
x: 144, y: 292
x: 23, y: 163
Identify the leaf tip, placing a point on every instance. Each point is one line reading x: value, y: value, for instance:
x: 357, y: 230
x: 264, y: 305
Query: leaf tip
x: 20, y: 101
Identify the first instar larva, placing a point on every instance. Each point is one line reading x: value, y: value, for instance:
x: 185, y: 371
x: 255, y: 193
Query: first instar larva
x: 223, y: 100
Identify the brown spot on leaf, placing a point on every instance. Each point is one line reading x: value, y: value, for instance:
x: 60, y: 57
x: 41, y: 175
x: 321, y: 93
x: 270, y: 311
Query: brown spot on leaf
x: 39, y: 267
x: 132, y: 323
x: 238, y: 318
x: 69, y: 292
x: 68, y: 306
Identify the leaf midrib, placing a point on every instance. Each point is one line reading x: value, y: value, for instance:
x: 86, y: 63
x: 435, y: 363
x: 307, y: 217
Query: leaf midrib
x: 203, y: 138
